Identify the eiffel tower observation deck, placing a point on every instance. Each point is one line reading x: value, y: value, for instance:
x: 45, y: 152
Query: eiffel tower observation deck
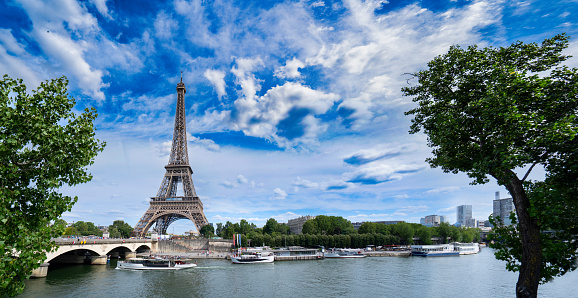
x: 170, y: 205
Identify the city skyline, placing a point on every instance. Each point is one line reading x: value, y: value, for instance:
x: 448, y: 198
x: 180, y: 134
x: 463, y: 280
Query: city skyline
x: 293, y: 108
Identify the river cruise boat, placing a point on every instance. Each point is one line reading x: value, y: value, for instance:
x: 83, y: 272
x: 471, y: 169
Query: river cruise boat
x: 466, y: 248
x: 344, y: 253
x: 440, y: 250
x: 252, y: 258
x: 153, y: 264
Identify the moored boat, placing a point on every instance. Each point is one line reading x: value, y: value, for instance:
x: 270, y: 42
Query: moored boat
x: 153, y: 264
x: 439, y: 250
x: 253, y: 258
x: 466, y: 248
x: 344, y: 253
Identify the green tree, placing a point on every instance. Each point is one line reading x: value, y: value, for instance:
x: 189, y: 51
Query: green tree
x: 270, y: 226
x: 124, y: 230
x: 207, y: 231
x: 405, y: 232
x: 368, y: 227
x: 70, y: 231
x: 443, y: 231
x: 44, y: 145
x: 309, y: 227
x: 424, y: 234
x: 219, y: 229
x: 488, y: 112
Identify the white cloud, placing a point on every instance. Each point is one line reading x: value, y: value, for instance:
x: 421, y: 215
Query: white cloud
x: 217, y: 79
x: 443, y: 189
x: 302, y: 183
x: 242, y: 179
x: 261, y: 116
x: 164, y: 149
x: 413, y: 209
x: 279, y: 194
x: 290, y: 70
x: 102, y: 8
x: 165, y: 25
x: 203, y: 143
x: 381, y: 171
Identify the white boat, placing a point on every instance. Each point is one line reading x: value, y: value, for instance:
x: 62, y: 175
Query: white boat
x: 153, y: 264
x: 466, y: 248
x: 344, y: 253
x: 253, y: 258
x: 439, y: 250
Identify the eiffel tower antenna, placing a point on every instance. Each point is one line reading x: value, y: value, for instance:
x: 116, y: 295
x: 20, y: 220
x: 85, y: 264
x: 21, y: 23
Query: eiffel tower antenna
x: 168, y: 205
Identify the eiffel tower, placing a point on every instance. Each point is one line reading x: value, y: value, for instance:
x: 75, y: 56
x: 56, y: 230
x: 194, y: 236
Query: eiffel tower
x: 167, y: 206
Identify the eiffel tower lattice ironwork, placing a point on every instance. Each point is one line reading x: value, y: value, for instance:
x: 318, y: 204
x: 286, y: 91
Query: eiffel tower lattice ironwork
x: 167, y: 206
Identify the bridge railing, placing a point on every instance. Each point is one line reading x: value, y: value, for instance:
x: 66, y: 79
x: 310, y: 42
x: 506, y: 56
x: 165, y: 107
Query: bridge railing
x: 84, y: 240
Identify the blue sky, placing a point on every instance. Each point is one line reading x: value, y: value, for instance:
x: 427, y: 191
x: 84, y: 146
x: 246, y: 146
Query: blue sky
x: 293, y: 107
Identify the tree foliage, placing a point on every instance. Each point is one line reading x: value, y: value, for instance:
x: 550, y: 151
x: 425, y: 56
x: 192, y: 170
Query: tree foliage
x: 44, y: 145
x: 491, y: 111
x: 120, y: 229
x: 207, y: 231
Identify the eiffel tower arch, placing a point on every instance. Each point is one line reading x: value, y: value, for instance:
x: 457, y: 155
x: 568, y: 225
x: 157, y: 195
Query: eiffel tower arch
x: 168, y: 205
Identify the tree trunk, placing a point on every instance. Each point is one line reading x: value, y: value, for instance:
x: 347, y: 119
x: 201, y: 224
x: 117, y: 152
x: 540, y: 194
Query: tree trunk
x: 529, y: 278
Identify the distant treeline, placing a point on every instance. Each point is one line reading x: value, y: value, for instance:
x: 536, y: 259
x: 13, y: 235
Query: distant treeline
x: 336, y: 231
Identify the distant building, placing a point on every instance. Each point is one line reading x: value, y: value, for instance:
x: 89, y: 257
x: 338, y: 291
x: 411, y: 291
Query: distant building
x: 443, y: 218
x: 464, y: 216
x: 503, y: 208
x: 296, y: 224
x: 471, y: 223
x: 432, y: 220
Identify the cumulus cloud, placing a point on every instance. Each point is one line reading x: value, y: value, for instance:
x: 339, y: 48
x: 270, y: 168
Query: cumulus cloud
x: 279, y: 194
x: 217, y: 79
x: 290, y: 70
x: 285, y: 113
x: 207, y: 144
x: 242, y: 179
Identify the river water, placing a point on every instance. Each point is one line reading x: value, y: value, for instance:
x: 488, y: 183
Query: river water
x: 478, y: 275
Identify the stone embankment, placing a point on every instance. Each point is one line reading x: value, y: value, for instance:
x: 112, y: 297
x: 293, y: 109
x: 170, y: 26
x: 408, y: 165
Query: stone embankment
x: 388, y: 253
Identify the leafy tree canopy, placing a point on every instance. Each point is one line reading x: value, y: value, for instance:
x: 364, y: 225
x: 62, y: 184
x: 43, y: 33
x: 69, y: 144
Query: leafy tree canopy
x: 120, y: 229
x: 207, y: 231
x: 44, y: 145
x: 492, y: 111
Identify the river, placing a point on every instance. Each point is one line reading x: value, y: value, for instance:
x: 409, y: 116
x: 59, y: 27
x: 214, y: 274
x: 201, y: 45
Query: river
x: 478, y: 275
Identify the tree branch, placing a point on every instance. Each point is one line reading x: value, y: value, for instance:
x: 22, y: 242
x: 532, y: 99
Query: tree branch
x: 529, y: 170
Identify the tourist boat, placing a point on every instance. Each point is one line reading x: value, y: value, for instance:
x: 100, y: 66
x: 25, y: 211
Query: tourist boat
x: 440, y: 250
x: 466, y: 248
x: 253, y: 258
x: 153, y: 264
x: 344, y: 253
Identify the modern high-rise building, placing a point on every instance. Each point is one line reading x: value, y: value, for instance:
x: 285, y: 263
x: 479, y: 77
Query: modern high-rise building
x: 503, y: 208
x: 464, y: 215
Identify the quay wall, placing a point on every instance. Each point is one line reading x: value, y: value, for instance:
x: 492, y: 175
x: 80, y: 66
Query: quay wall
x: 193, y: 245
x: 386, y: 253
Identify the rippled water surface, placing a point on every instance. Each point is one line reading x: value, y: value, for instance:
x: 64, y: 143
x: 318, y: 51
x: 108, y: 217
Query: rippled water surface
x: 464, y: 276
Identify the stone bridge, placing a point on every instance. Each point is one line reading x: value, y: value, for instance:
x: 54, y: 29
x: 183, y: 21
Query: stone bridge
x: 93, y: 251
